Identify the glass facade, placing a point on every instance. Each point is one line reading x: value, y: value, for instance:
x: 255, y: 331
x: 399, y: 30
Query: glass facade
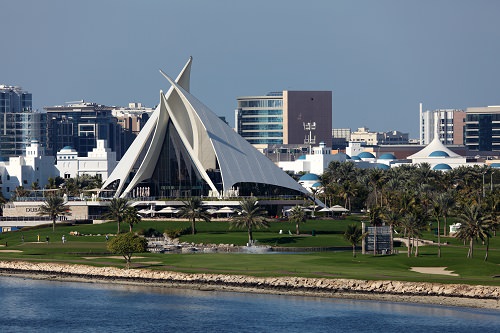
x: 483, y: 131
x: 19, y: 123
x: 79, y: 126
x: 175, y: 174
x: 260, y: 119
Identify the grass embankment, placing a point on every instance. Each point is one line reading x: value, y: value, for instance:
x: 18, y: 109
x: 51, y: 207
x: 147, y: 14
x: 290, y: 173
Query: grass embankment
x: 90, y: 248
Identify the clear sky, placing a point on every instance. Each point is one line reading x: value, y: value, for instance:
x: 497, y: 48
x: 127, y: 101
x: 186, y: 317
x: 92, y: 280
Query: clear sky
x: 380, y: 58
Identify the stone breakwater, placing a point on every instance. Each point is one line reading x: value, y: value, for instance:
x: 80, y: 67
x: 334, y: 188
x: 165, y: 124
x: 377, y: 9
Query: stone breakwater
x: 290, y: 285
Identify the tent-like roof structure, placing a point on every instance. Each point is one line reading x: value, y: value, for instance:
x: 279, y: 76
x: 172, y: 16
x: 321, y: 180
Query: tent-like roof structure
x: 207, y: 140
x: 435, y: 148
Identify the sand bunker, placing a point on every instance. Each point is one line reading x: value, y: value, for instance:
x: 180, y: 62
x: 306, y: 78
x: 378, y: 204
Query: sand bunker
x: 11, y: 251
x: 433, y: 270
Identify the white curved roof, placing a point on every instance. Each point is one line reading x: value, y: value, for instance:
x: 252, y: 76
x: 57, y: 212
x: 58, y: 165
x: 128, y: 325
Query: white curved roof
x: 207, y: 139
x: 434, y: 145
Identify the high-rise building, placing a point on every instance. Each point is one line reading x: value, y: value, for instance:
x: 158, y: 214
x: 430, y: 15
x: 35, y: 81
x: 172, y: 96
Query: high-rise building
x: 287, y: 117
x: 79, y: 125
x: 483, y: 128
x: 131, y: 120
x: 19, y: 123
x: 450, y: 129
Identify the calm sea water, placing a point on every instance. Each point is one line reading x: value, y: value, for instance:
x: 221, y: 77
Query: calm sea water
x: 46, y: 306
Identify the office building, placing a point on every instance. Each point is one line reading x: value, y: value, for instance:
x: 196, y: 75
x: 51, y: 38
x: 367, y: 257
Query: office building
x: 482, y: 128
x: 19, y: 123
x: 131, y: 120
x: 79, y: 125
x: 450, y: 122
x: 287, y: 117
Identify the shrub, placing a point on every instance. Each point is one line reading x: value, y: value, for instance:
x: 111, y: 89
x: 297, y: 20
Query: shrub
x: 176, y: 233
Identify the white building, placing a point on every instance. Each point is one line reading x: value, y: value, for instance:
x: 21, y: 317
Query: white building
x: 448, y: 122
x: 27, y: 169
x: 36, y: 167
x: 100, y: 161
x: 315, y: 163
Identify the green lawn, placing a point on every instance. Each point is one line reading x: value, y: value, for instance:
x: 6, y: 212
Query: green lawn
x: 90, y: 248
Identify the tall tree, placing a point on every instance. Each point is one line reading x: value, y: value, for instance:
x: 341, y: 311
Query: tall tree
x: 131, y: 217
x: 250, y: 216
x: 474, y: 225
x: 297, y: 216
x: 437, y: 213
x: 192, y: 210
x: 409, y: 222
x: 54, y: 206
x: 354, y: 235
x: 116, y: 211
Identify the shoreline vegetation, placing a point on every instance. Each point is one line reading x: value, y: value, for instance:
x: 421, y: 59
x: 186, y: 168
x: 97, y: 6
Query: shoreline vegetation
x: 462, y: 295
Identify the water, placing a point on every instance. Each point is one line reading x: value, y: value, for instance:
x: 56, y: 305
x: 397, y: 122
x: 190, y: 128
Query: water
x: 47, y: 306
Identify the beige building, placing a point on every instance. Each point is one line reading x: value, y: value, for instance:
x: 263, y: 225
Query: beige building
x: 363, y: 134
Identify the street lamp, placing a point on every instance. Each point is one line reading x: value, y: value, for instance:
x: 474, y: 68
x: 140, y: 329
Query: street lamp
x: 491, y: 181
x: 484, y: 194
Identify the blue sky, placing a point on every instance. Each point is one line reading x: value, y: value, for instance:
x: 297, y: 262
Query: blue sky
x: 380, y: 58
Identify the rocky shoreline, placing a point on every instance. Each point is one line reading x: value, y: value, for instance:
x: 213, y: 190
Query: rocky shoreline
x: 394, y: 291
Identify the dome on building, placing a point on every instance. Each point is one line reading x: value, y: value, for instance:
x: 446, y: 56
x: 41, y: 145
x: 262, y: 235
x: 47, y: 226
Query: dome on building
x: 301, y: 157
x: 356, y: 158
x: 495, y: 165
x: 309, y: 177
x: 382, y: 166
x: 67, y: 147
x: 439, y: 153
x: 317, y: 184
x: 387, y: 156
x: 441, y: 166
x: 366, y: 154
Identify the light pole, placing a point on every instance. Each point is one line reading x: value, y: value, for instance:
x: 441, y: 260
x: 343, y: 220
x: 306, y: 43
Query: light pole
x: 484, y: 194
x: 491, y: 181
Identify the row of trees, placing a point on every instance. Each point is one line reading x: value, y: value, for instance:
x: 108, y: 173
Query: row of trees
x: 409, y: 197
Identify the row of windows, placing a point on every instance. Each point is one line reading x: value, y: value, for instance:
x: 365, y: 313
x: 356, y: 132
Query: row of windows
x: 262, y: 134
x: 266, y: 141
x: 487, y: 117
x: 483, y: 140
x: 263, y: 127
x: 262, y: 120
x: 262, y: 112
x: 261, y: 103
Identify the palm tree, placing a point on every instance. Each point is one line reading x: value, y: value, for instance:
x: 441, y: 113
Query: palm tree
x: 297, y: 216
x: 409, y: 222
x: 437, y: 212
x: 354, y: 235
x: 192, y: 210
x: 54, y: 207
x: 473, y: 226
x: 250, y: 216
x: 116, y: 211
x: 131, y: 217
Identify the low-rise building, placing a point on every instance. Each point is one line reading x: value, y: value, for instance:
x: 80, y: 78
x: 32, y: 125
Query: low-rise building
x: 100, y: 161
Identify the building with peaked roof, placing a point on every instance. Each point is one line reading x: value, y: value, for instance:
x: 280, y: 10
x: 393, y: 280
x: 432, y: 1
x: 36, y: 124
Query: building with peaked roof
x: 185, y: 150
